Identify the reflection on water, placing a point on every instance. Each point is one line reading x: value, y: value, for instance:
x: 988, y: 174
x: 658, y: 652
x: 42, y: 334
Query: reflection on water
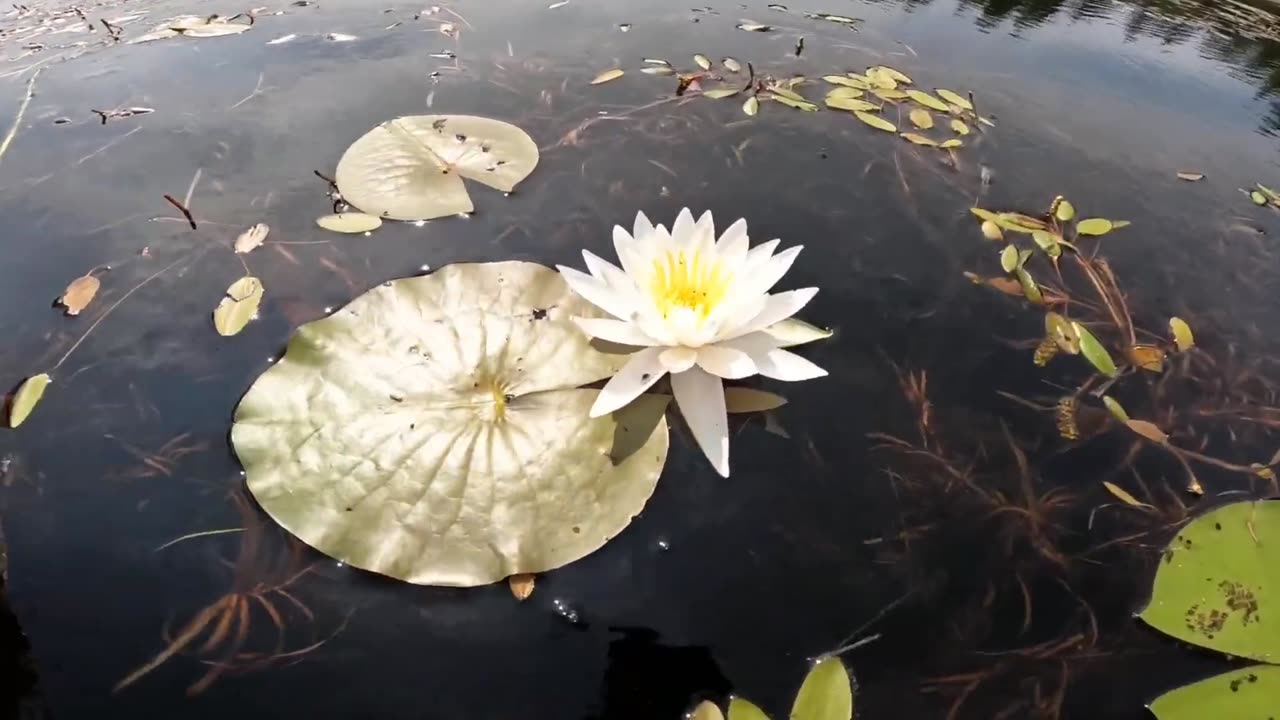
x: 821, y: 538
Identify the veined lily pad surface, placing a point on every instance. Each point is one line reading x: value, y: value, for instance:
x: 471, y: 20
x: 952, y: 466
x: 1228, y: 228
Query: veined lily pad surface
x: 433, y: 430
x: 412, y: 168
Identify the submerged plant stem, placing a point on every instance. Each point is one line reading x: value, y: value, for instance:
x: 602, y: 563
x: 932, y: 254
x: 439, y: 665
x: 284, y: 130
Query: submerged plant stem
x: 22, y: 110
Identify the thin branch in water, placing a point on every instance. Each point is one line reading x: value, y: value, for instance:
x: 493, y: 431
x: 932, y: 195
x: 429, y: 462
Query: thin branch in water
x: 192, y: 536
x: 107, y: 146
x: 22, y: 110
x: 257, y: 90
x: 183, y: 209
x: 191, y: 189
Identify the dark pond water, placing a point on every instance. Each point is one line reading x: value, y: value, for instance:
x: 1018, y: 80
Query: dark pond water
x: 817, y: 539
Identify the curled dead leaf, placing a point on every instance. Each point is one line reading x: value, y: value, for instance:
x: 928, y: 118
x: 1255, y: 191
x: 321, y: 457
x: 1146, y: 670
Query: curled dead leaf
x: 522, y: 585
x: 79, y: 294
x: 250, y: 239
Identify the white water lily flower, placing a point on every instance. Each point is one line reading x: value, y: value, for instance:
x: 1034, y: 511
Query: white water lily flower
x: 697, y: 307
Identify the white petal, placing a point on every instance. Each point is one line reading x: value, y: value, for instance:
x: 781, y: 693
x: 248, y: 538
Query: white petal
x: 643, y: 228
x: 763, y: 251
x: 783, y: 365
x: 760, y: 276
x: 613, y: 276
x: 614, y: 331
x: 701, y: 400
x: 678, y: 359
x: 727, y: 362
x: 597, y: 292
x: 623, y: 244
x: 639, y: 374
x: 777, y: 308
x: 732, y: 245
x: 682, y: 231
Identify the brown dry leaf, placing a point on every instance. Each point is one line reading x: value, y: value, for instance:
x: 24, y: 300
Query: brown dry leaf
x: 1147, y: 357
x: 250, y: 239
x: 79, y: 294
x: 1148, y: 431
x: 522, y: 585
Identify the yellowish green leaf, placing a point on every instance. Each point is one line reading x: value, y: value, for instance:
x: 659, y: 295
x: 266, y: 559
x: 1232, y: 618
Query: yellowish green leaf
x: 1115, y: 408
x: 954, y: 98
x: 740, y: 709
x: 238, y: 306
x: 1095, y: 226
x: 706, y: 710
x: 718, y: 93
x: 26, y: 397
x: 852, y: 82
x: 952, y: 143
x: 876, y: 121
x: 878, y: 79
x: 1272, y: 195
x: 851, y: 104
x: 917, y: 139
x: 607, y: 75
x: 959, y: 126
x: 1029, y: 287
x: 786, y: 92
x: 804, y: 105
x: 1063, y: 333
x: 1063, y: 209
x: 986, y: 215
x: 1048, y: 242
x: 926, y: 99
x: 751, y: 106
x: 888, y: 94
x: 1094, y: 352
x: 921, y: 118
x: 1182, y: 335
x: 1124, y: 496
x: 749, y: 400
x: 702, y: 61
x: 1009, y: 258
x: 890, y: 72
x: 846, y: 92
x: 825, y: 694
x: 1258, y: 198
x: 991, y: 231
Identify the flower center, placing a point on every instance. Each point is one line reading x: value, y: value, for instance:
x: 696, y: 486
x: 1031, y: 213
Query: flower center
x: 688, y: 280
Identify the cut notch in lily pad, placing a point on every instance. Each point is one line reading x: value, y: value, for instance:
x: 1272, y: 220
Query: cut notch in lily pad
x: 433, y: 430
x: 412, y: 168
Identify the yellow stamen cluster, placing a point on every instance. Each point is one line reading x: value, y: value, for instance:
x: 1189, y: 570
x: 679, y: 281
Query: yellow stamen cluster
x: 688, y: 279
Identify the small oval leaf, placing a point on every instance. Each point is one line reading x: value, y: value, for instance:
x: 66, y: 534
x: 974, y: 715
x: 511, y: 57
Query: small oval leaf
x: 751, y: 106
x: 952, y: 143
x: 1029, y: 287
x: 825, y: 694
x: 845, y: 92
x: 1064, y: 210
x: 917, y: 139
x: 1063, y: 333
x: 1009, y: 258
x: 706, y: 710
x: 607, y: 75
x: 992, y: 231
x: 851, y: 104
x: 875, y: 121
x: 26, y: 398
x: 954, y: 98
x: 238, y: 306
x: 1148, y: 430
x: 719, y: 93
x: 927, y: 100
x: 1115, y: 408
x: 1094, y: 352
x: 703, y: 61
x: 921, y: 118
x: 1094, y: 226
x: 79, y: 293
x: 1182, y: 335
x: 350, y: 222
x: 740, y: 709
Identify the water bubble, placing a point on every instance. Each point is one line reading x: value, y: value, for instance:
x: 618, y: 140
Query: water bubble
x: 419, y: 223
x: 328, y: 309
x: 567, y: 611
x: 424, y: 268
x: 386, y: 284
x: 340, y: 564
x: 662, y: 544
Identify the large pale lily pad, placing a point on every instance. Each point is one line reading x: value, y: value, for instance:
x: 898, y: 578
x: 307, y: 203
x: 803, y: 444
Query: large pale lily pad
x: 1218, y: 583
x: 1240, y: 694
x: 432, y: 430
x: 411, y: 168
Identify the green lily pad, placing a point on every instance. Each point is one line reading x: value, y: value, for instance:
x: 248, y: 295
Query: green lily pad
x: 432, y: 430
x: 411, y: 168
x: 1217, y: 584
x: 1240, y: 695
x: 825, y: 694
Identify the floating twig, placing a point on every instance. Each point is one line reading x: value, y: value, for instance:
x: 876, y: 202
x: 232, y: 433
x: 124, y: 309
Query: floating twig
x: 22, y: 110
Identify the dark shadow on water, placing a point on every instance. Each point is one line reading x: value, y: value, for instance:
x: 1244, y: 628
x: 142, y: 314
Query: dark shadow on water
x: 645, y: 678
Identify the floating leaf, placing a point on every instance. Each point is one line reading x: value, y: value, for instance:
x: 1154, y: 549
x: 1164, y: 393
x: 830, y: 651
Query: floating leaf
x: 1182, y: 335
x: 79, y: 293
x: 718, y: 93
x: 253, y: 237
x: 411, y: 168
x: 1095, y: 226
x: 1249, y: 692
x: 992, y: 231
x: 731, y: 65
x: 706, y: 710
x: 751, y: 106
x: 1148, y: 430
x: 1029, y: 287
x: 1009, y: 258
x: 1063, y: 209
x: 1063, y: 332
x: 1115, y: 408
x: 787, y: 93
x: 794, y: 331
x: 987, y: 121
x: 1147, y: 357
x: 26, y: 397
x: 753, y: 26
x: 1048, y: 242
x: 875, y: 121
x: 917, y: 139
x: 1123, y: 495
x: 825, y: 694
x: 986, y: 215
x: 1190, y: 176
x: 891, y: 73
x: 1215, y: 586
x: 846, y: 92
x: 954, y: 98
x: 340, y: 37
x: 702, y: 61
x: 879, y: 79
x: 659, y: 70
x: 851, y: 104
x: 1258, y: 198
x: 350, y: 222
x: 1094, y: 352
x: 607, y: 75
x: 926, y: 99
x: 522, y: 585
x: 740, y: 709
x: 850, y: 82
x: 803, y: 105
x: 1018, y: 222
x: 238, y: 306
x: 888, y: 94
x: 1272, y: 195
x: 207, y: 26
x: 739, y: 400
x: 959, y: 126
x: 432, y: 430
x: 921, y: 118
